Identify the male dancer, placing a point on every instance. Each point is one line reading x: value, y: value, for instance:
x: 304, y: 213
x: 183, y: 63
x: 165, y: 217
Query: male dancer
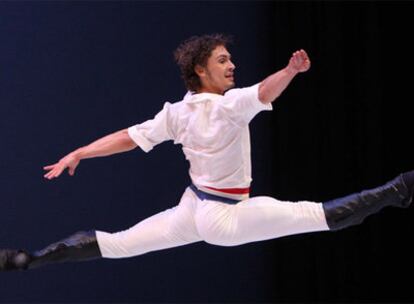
x: 211, y: 124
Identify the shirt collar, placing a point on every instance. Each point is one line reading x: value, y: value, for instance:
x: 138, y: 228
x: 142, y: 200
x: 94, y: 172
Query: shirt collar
x: 192, y: 97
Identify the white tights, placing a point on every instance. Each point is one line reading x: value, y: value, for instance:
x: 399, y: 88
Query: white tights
x: 255, y: 219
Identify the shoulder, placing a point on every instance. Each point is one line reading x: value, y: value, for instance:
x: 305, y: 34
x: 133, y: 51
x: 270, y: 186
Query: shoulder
x: 174, y: 109
x: 250, y: 91
x: 172, y: 106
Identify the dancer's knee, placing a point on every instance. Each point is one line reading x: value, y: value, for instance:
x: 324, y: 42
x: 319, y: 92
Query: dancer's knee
x: 116, y: 245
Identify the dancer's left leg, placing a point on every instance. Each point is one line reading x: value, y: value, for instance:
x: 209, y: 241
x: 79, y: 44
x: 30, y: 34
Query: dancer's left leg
x: 262, y: 218
x: 256, y: 219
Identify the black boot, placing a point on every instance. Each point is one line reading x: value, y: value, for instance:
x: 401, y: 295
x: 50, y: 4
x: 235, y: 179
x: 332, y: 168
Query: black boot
x: 81, y: 246
x: 353, y: 209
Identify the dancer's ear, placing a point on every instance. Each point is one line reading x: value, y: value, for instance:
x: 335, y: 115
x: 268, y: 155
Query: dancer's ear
x: 200, y: 71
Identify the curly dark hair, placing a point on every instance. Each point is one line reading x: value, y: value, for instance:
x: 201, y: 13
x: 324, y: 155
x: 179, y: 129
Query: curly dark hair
x: 195, y: 51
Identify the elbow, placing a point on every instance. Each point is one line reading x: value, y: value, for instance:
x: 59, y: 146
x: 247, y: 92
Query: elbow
x: 129, y: 143
x: 264, y: 98
x: 264, y: 94
x: 124, y: 132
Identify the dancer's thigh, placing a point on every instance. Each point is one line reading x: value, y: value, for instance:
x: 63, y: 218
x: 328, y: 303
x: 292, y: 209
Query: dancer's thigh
x: 170, y: 228
x: 256, y: 219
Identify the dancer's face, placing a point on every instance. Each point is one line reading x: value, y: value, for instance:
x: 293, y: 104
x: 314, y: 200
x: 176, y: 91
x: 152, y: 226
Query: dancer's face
x: 218, y: 75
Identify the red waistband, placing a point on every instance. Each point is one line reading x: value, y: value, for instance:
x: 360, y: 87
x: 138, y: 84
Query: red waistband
x: 231, y: 190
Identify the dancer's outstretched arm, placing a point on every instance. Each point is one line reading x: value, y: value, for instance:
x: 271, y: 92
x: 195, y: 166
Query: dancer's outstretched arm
x: 111, y: 144
x: 275, y: 84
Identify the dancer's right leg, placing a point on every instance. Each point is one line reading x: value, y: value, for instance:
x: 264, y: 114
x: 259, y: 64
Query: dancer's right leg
x: 171, y: 228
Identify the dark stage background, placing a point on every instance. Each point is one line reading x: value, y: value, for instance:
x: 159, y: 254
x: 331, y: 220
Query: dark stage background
x: 72, y: 72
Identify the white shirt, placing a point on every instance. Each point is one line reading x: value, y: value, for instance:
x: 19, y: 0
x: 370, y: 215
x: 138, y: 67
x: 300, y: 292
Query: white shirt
x: 214, y: 134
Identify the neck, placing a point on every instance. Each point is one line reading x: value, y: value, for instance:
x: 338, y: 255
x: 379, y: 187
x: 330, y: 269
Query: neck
x: 210, y: 90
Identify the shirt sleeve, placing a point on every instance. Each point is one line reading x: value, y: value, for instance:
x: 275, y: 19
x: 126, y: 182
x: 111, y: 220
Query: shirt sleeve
x: 243, y: 104
x: 154, y: 131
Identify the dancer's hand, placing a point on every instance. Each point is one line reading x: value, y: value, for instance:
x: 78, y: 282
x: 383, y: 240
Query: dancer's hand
x: 299, y: 62
x: 70, y: 161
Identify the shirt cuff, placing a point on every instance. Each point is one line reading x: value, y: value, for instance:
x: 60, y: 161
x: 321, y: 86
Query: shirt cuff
x: 140, y: 140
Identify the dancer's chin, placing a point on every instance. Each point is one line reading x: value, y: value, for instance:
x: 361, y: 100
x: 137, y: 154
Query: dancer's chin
x: 230, y: 85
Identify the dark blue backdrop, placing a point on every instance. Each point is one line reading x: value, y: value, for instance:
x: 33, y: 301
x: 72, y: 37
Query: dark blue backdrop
x: 74, y: 71
x: 71, y: 72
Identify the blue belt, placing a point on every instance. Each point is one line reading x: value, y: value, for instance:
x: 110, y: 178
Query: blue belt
x: 207, y: 196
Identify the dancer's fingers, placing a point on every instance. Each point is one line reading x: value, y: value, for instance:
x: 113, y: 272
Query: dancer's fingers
x: 71, y: 171
x: 49, y: 175
x: 298, y: 59
x: 55, y: 172
x: 58, y: 172
x: 49, y: 167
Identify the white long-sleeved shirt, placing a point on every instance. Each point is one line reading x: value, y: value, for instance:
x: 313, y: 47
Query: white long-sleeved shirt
x: 214, y: 134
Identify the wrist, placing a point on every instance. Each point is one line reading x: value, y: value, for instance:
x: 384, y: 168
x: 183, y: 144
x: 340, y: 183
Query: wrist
x: 79, y: 153
x: 291, y: 71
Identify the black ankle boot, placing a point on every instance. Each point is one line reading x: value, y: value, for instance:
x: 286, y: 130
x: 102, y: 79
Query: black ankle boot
x: 353, y: 209
x: 81, y: 246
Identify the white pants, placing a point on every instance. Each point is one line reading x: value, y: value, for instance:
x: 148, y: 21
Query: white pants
x: 255, y: 219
